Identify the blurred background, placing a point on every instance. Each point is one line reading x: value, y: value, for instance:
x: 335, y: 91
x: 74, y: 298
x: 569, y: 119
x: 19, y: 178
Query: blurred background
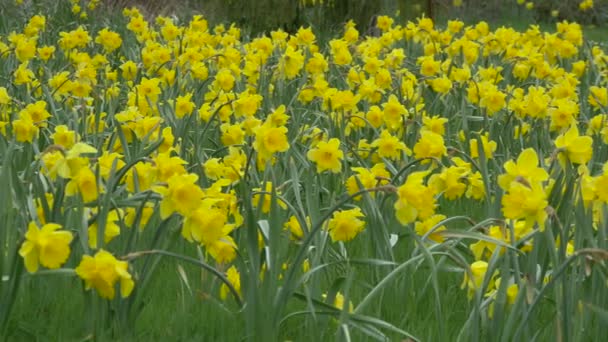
x: 264, y: 15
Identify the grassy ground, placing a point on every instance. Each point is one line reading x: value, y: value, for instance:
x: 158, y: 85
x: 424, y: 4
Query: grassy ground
x: 180, y: 303
x: 518, y: 18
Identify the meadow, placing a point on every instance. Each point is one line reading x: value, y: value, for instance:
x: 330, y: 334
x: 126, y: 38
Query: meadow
x: 184, y: 179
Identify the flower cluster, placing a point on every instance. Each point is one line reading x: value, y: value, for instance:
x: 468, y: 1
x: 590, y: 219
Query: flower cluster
x: 196, y: 129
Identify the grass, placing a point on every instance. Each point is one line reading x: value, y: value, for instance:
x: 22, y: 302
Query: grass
x: 400, y: 284
x: 171, y: 309
x: 517, y: 18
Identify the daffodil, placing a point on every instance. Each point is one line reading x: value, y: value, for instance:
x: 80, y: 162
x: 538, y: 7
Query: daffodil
x: 294, y: 228
x: 327, y: 155
x: 430, y: 145
x: 103, y: 271
x: 205, y: 225
x: 389, y: 146
x: 183, y: 105
x: 431, y: 223
x: 344, y: 225
x: 223, y: 250
x: 393, y: 112
x: 84, y: 183
x: 488, y: 146
x: 181, y: 195
x: 415, y: 200
x: 64, y: 137
x: 526, y: 168
x: 108, y: 39
x: 264, y: 200
x: 234, y: 277
x: 451, y: 181
x: 141, y: 177
x: 367, y: 179
x: 25, y: 130
x: 47, y: 246
x: 111, y: 230
x: 270, y: 140
x: 527, y: 202
x: 474, y: 280
x: 574, y: 147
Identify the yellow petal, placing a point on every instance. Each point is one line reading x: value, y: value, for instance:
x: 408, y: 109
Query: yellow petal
x: 126, y: 286
x: 528, y: 159
x: 30, y: 259
x: 80, y: 148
